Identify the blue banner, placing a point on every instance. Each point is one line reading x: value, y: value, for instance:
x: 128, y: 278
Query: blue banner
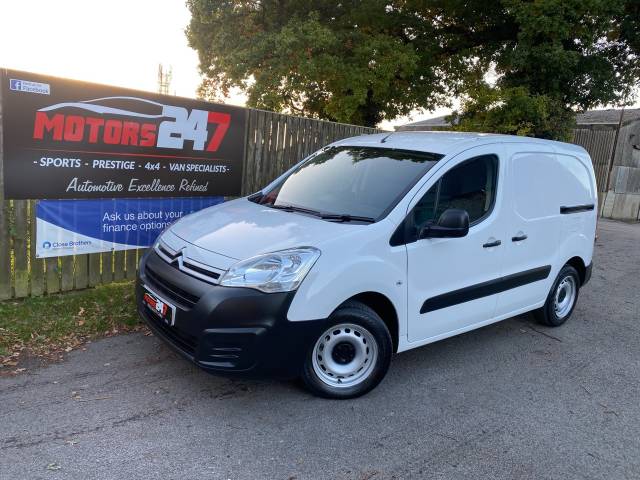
x: 71, y: 227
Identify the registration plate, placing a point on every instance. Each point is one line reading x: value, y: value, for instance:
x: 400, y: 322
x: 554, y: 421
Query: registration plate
x: 159, y: 306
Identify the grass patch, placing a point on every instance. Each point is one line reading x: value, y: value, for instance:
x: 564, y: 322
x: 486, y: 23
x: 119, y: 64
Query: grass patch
x: 50, y: 325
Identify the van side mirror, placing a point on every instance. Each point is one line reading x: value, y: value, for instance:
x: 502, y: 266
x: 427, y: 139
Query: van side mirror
x: 453, y: 223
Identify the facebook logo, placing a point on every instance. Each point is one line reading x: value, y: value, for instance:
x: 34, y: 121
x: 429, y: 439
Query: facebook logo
x: 29, y: 87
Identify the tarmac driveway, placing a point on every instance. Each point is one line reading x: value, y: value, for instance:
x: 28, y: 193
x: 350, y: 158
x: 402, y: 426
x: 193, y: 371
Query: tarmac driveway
x: 512, y: 400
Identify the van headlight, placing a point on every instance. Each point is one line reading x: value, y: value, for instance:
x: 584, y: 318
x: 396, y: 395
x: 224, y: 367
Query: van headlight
x: 280, y: 271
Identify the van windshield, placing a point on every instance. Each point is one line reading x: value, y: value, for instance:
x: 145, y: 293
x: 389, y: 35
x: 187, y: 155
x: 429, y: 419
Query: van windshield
x: 350, y: 183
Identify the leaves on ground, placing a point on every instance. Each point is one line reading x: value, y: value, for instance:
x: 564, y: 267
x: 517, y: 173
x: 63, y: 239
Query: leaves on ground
x: 45, y: 328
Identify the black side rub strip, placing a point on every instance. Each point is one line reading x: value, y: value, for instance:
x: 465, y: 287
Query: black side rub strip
x: 485, y: 289
x: 577, y: 208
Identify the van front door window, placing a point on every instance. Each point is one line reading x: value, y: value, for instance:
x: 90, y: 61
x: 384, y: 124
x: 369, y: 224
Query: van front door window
x: 470, y: 186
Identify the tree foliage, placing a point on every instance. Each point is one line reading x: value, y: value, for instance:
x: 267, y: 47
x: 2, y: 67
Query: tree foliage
x: 520, y: 66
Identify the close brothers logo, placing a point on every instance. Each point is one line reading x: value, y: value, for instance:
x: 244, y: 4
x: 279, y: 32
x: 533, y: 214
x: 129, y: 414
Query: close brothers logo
x: 131, y: 121
x: 46, y: 245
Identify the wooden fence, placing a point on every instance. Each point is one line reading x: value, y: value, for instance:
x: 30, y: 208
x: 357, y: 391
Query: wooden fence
x: 598, y: 141
x: 274, y: 143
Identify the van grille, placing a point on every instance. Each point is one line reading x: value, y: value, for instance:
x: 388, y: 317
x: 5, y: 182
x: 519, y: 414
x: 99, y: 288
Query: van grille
x: 170, y: 290
x: 178, y: 260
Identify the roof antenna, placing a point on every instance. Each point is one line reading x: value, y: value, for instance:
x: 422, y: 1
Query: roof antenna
x: 384, y: 140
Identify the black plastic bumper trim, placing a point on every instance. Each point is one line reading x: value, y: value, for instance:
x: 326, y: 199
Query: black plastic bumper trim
x: 587, y: 273
x: 228, y: 330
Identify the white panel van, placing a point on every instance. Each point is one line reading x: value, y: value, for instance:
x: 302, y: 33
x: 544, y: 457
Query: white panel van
x: 372, y: 246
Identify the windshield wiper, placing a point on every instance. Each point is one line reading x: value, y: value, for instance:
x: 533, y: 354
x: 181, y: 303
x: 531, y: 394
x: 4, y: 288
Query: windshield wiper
x: 339, y: 217
x: 293, y: 208
x: 345, y: 217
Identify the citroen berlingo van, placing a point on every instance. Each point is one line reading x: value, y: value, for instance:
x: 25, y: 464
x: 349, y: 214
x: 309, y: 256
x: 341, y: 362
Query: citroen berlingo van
x: 372, y: 246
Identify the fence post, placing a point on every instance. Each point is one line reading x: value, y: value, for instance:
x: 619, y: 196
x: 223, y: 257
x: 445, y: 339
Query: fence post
x: 37, y: 264
x: 5, y: 244
x: 20, y: 249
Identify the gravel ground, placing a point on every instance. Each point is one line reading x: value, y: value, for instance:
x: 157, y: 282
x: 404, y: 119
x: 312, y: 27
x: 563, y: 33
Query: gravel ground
x: 512, y: 400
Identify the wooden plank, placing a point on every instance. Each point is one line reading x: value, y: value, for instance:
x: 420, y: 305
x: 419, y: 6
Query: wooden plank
x: 107, y: 267
x: 67, y: 273
x: 131, y: 261
x: 299, y: 139
x: 95, y: 262
x: 310, y: 133
x: 5, y: 249
x: 286, y: 145
x: 315, y: 135
x: 258, y: 180
x: 306, y: 143
x: 278, y: 166
x: 5, y: 242
x: 20, y: 249
x: 249, y: 154
x: 81, y: 272
x: 273, y: 146
x: 254, y: 160
x: 292, y: 154
x: 325, y: 133
x: 52, y: 274
x: 295, y: 142
x: 118, y: 266
x: 36, y: 266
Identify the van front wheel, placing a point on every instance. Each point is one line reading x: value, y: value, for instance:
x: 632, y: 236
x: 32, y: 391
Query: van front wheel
x: 351, y: 356
x: 562, y: 298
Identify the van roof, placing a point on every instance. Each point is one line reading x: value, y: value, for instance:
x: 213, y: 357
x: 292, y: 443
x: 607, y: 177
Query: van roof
x: 449, y: 142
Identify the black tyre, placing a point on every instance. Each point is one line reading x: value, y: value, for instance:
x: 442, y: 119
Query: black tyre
x: 351, y: 356
x: 562, y: 298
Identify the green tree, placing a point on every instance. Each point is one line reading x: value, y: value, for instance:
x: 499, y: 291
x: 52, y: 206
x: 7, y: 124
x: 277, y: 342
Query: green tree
x: 565, y: 56
x: 365, y: 61
x: 352, y: 61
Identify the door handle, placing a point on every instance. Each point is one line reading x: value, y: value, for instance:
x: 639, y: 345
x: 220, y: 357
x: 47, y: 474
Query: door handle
x: 492, y: 244
x: 519, y: 238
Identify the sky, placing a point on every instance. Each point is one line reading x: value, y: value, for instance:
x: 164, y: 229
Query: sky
x: 116, y: 42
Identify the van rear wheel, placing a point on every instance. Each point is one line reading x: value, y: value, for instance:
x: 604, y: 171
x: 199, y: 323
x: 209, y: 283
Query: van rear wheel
x: 562, y: 298
x: 351, y: 356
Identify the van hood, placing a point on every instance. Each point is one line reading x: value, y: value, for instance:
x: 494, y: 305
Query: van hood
x: 240, y: 229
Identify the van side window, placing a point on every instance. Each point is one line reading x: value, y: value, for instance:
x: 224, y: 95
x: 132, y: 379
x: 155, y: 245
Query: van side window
x: 470, y: 186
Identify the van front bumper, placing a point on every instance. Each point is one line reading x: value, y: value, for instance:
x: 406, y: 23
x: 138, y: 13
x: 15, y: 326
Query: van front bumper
x: 225, y: 329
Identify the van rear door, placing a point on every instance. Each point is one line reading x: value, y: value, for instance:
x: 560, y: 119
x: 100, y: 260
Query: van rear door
x: 541, y: 182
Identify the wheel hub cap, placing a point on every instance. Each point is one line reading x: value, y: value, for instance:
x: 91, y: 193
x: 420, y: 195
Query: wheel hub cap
x: 344, y: 355
x: 565, y: 296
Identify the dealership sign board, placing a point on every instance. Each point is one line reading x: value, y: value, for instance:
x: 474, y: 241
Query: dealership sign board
x: 70, y: 139
x: 73, y: 227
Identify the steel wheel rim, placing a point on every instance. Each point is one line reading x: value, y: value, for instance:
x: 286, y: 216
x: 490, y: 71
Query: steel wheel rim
x: 565, y: 296
x: 344, y: 355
